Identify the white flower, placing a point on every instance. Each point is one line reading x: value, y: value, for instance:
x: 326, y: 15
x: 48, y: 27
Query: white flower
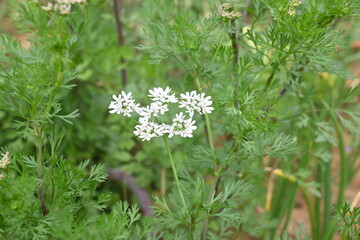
x: 154, y: 110
x: 5, y: 160
x: 177, y: 125
x: 144, y: 112
x: 188, y: 101
x: 157, y: 108
x: 292, y: 11
x: 292, y: 7
x: 296, y: 3
x: 1, y: 176
x: 230, y: 15
x: 181, y: 126
x: 227, y: 12
x: 64, y: 6
x: 179, y: 117
x: 198, y: 102
x: 49, y: 7
x: 123, y: 104
x: 205, y: 104
x: 189, y: 127
x: 226, y: 6
x: 144, y: 132
x: 65, y: 9
x: 63, y: 2
x: 77, y: 1
x: 149, y: 126
x: 147, y: 130
x: 164, y: 96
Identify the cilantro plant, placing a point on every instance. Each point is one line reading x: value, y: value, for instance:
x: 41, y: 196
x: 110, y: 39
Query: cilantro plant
x: 43, y: 195
x: 251, y: 110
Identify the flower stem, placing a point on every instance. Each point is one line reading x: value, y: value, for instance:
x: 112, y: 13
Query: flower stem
x: 174, y: 171
x: 163, y: 181
x: 208, y: 126
x: 209, y: 132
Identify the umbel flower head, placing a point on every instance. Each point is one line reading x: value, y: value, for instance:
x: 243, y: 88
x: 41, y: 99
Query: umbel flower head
x: 227, y: 11
x: 64, y: 6
x: 123, y: 104
x: 4, y: 161
x: 149, y: 123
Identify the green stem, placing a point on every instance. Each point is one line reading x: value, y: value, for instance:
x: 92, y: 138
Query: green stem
x: 217, y: 50
x: 208, y: 126
x: 39, y: 160
x: 278, y: 205
x: 344, y: 234
x: 233, y: 149
x: 209, y: 132
x: 210, y: 197
x: 343, y: 163
x: 324, y: 182
x: 310, y: 209
x: 317, y: 209
x: 174, y: 171
x: 327, y: 196
x: 330, y: 233
x: 290, y: 206
x: 277, y: 196
x: 58, y: 82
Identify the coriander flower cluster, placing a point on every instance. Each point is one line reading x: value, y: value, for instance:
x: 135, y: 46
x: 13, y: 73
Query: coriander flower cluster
x: 5, y: 160
x: 292, y: 7
x: 227, y: 11
x: 63, y: 6
x: 149, y: 123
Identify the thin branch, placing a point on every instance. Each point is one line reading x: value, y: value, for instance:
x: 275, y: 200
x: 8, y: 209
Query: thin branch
x: 121, y: 38
x: 39, y: 159
x: 245, y: 12
x: 234, y: 43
